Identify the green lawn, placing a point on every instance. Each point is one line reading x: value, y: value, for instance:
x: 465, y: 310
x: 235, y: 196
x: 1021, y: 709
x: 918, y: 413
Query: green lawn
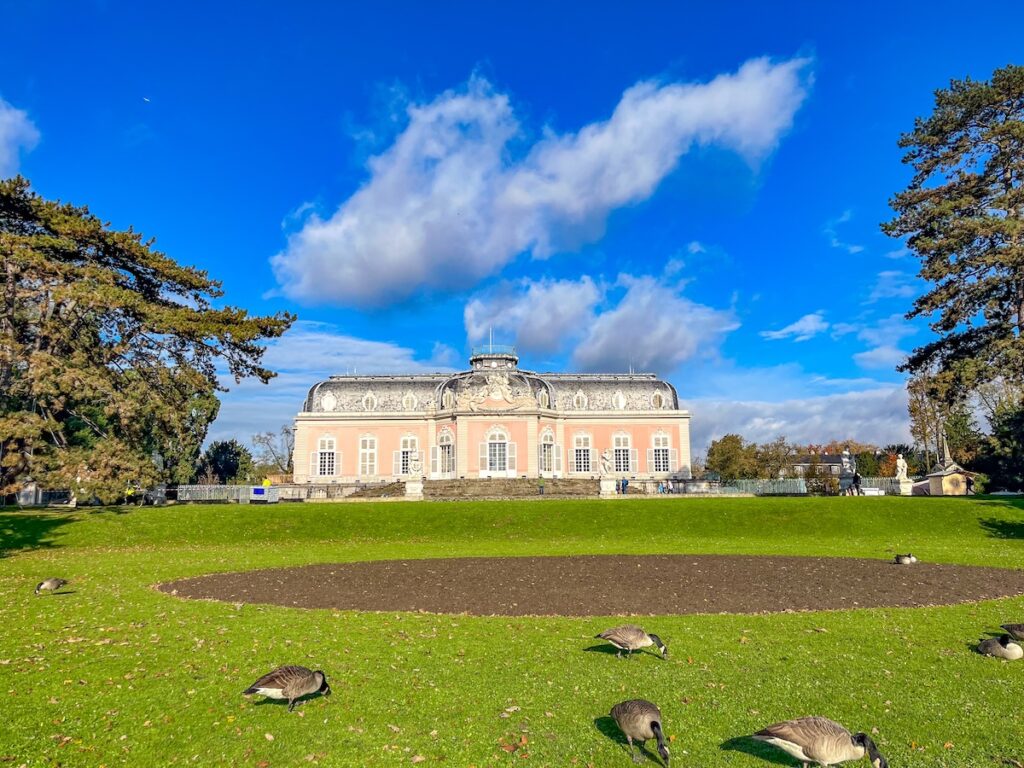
x: 115, y: 673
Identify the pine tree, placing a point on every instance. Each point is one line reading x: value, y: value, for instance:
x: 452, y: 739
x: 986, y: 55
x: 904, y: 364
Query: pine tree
x: 963, y: 216
x: 109, y: 351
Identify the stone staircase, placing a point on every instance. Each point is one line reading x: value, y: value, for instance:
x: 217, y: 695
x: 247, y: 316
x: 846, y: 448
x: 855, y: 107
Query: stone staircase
x: 510, y: 488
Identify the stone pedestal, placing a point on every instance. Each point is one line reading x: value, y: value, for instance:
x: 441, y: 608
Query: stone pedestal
x: 414, y: 490
x: 906, y: 487
x: 608, y: 488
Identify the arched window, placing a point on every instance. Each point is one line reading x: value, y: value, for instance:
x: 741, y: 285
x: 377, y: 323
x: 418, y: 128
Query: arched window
x: 544, y: 399
x: 367, y: 455
x: 619, y: 401
x: 498, y: 453
x: 369, y: 402
x: 409, y: 402
x: 326, y: 457
x: 546, y: 452
x: 661, y: 457
x: 657, y: 400
x: 579, y: 401
x: 622, y: 449
x: 446, y: 452
x: 581, y: 453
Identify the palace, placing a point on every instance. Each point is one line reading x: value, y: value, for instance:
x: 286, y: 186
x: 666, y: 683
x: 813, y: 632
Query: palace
x: 493, y: 420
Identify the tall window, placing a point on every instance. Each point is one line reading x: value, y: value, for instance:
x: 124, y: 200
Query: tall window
x: 657, y: 400
x: 326, y: 457
x: 409, y: 402
x: 661, y: 453
x: 446, y: 452
x: 497, y: 452
x: 620, y: 445
x: 408, y: 453
x: 370, y: 401
x: 579, y: 401
x: 546, y: 457
x: 367, y: 455
x: 581, y: 453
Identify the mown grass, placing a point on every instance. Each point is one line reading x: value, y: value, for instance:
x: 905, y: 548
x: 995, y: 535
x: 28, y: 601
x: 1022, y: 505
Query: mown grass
x: 115, y: 673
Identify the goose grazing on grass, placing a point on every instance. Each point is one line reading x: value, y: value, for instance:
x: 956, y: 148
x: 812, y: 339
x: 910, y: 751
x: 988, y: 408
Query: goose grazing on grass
x: 907, y: 559
x: 51, y: 585
x: 1016, y: 631
x: 290, y: 683
x: 640, y: 720
x: 822, y: 741
x: 630, y: 638
x: 1001, y: 647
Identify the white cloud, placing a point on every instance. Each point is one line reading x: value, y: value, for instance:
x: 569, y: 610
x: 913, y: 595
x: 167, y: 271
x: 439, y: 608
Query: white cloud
x: 876, y: 415
x: 803, y: 329
x: 17, y: 134
x: 541, y: 315
x: 696, y: 247
x: 446, y: 204
x: 307, y: 353
x: 885, y: 356
x: 833, y: 237
x: 652, y: 328
x: 892, y: 284
x: 886, y: 332
x: 899, y: 253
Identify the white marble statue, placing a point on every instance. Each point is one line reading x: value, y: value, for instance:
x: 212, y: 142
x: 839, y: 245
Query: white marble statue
x: 607, y: 462
x: 901, y: 467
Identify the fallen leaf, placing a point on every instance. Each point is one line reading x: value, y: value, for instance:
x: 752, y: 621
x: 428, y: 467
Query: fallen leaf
x: 268, y: 736
x: 417, y: 759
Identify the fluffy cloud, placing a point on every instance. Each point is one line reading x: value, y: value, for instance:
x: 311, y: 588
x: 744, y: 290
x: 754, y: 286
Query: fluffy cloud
x: 652, y: 328
x: 446, y: 204
x: 876, y: 415
x: 17, y: 134
x: 540, y: 315
x: 307, y: 353
x: 885, y: 356
x: 803, y: 329
x: 892, y: 284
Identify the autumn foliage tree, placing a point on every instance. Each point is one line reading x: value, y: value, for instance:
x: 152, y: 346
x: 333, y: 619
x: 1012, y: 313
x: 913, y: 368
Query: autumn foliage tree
x: 109, y: 351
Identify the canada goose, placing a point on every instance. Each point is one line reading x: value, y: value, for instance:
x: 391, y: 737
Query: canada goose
x: 1001, y: 647
x: 822, y: 741
x: 907, y: 559
x: 630, y: 638
x: 50, y: 584
x: 290, y: 683
x: 1016, y: 631
x: 640, y: 720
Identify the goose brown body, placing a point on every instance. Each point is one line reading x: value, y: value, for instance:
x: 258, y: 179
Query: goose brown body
x: 820, y: 740
x: 51, y: 585
x: 640, y: 720
x: 291, y: 683
x: 1001, y: 647
x: 1016, y: 631
x: 630, y: 637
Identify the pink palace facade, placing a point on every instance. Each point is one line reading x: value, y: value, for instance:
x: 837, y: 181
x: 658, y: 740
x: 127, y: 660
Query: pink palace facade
x: 493, y: 420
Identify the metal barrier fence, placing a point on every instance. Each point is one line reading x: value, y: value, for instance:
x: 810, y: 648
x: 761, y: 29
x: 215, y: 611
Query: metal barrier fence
x: 236, y: 493
x: 790, y: 486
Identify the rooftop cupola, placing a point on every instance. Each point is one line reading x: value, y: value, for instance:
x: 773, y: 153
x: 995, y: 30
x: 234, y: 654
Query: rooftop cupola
x: 493, y: 356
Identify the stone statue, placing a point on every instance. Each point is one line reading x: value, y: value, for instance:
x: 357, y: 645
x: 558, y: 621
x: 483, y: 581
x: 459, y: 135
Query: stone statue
x: 901, y: 467
x: 414, y: 464
x: 607, y: 462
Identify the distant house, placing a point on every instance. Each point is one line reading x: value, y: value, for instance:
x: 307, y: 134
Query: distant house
x: 948, y: 480
x: 828, y: 463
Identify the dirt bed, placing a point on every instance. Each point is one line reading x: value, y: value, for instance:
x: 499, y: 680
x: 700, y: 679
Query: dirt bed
x: 607, y: 585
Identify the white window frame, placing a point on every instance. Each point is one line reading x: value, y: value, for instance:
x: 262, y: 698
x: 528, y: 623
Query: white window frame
x: 370, y: 402
x: 442, y: 456
x: 403, y: 457
x: 497, y: 444
x: 579, y: 401
x: 622, y: 453
x: 325, y: 461
x: 367, y: 455
x: 619, y: 401
x: 409, y: 402
x: 583, y: 462
x: 662, y: 458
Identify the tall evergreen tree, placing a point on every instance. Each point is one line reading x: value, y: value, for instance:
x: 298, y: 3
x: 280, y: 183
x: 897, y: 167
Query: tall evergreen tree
x: 109, y: 350
x: 963, y: 215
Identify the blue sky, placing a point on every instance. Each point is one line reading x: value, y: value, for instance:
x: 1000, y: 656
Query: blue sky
x: 690, y: 189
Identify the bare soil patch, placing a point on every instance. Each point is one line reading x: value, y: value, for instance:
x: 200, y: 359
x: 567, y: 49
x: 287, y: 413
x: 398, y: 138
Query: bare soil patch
x: 601, y: 585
